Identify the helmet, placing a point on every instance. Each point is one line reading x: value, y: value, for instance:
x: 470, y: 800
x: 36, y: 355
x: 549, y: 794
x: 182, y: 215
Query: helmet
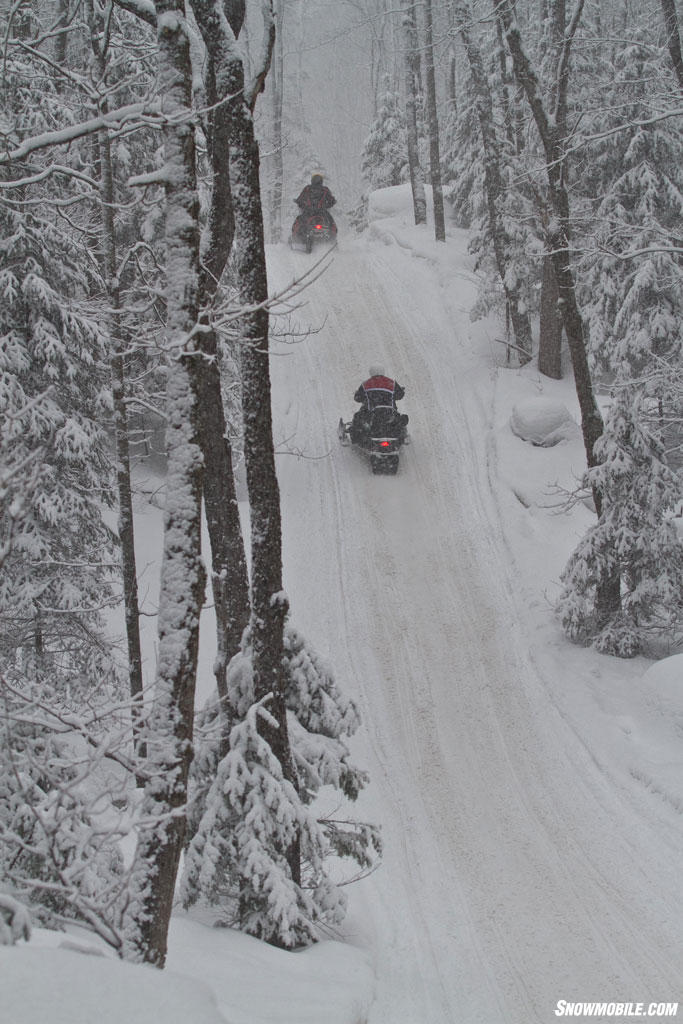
x: 376, y: 371
x: 317, y: 179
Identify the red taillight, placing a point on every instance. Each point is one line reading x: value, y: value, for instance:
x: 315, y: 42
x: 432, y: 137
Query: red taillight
x: 385, y: 444
x: 318, y: 227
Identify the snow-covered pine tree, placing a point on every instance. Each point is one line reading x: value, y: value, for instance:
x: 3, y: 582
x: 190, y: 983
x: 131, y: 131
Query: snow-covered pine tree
x: 54, y: 401
x: 634, y: 285
x: 462, y: 159
x: 58, y: 853
x: 634, y: 538
x: 236, y: 859
x: 250, y: 792
x: 384, y: 159
x: 498, y: 236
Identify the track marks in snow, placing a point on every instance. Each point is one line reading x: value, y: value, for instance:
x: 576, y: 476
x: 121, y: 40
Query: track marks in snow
x: 509, y: 880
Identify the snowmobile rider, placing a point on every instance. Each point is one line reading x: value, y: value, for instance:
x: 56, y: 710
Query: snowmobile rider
x: 377, y: 392
x: 316, y: 199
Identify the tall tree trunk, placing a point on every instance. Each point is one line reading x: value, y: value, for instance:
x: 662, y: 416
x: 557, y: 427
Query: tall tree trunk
x: 229, y: 579
x: 182, y: 573
x: 434, y: 154
x: 126, y: 528
x: 411, y: 70
x: 277, y: 94
x: 552, y: 135
x: 268, y: 604
x: 62, y: 35
x: 558, y: 232
x: 673, y: 39
x: 493, y: 181
x: 501, y: 54
x: 550, y: 324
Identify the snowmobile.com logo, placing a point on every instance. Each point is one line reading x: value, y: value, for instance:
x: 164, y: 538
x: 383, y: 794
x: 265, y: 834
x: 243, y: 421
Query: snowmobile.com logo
x: 624, y: 1011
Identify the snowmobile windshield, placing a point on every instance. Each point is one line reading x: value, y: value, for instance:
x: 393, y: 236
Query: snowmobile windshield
x: 376, y: 397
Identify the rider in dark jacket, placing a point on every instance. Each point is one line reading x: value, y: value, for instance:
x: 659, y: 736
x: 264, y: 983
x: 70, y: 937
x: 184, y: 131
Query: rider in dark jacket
x: 378, y: 392
x: 316, y: 199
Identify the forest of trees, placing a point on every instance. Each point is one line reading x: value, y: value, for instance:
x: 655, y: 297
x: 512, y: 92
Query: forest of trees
x: 148, y: 149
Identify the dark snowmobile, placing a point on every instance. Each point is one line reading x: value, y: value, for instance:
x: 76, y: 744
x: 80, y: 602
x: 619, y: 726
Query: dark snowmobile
x: 310, y: 228
x: 379, y: 434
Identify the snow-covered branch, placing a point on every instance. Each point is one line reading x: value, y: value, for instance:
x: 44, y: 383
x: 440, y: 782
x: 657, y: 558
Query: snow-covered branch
x: 150, y: 113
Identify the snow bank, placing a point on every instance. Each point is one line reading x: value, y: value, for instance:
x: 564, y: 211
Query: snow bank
x: 543, y: 421
x: 58, y: 986
x: 331, y: 982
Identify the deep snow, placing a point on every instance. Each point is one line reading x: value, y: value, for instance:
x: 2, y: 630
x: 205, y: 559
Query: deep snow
x: 530, y: 792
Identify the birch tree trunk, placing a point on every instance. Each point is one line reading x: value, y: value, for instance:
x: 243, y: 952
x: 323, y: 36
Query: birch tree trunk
x: 434, y: 154
x: 182, y: 573
x: 411, y: 60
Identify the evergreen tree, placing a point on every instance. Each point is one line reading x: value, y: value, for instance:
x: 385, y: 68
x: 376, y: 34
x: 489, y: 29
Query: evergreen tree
x: 635, y: 539
x: 384, y: 160
x: 54, y: 402
x: 634, y: 289
x: 250, y: 812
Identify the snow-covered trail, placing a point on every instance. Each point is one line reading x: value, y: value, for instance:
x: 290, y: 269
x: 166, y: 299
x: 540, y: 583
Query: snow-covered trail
x: 515, y: 872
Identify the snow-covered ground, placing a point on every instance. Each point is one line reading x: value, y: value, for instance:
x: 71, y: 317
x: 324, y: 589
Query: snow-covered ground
x: 530, y: 792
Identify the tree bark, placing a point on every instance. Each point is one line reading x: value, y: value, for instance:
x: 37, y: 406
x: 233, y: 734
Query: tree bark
x: 411, y: 60
x: 182, y: 573
x: 268, y: 604
x: 277, y: 86
x: 434, y: 154
x: 558, y: 232
x: 229, y: 578
x: 550, y: 325
x: 126, y: 528
x: 673, y: 39
x: 552, y: 131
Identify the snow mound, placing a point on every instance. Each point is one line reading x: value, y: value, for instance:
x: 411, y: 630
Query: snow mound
x: 61, y: 987
x: 394, y: 201
x: 666, y: 676
x: 543, y: 421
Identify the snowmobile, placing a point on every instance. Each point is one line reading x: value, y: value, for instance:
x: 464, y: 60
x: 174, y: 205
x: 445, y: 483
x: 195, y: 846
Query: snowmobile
x: 379, y: 435
x: 309, y: 228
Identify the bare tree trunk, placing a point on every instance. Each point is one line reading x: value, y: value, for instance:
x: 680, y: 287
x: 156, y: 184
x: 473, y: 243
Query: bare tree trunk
x: 550, y: 325
x: 493, y: 181
x: 277, y: 86
x: 416, y: 180
x: 229, y: 577
x: 126, y: 529
x: 504, y: 82
x: 182, y: 573
x: 558, y: 233
x: 434, y: 154
x: 552, y: 132
x: 62, y: 35
x: 268, y: 604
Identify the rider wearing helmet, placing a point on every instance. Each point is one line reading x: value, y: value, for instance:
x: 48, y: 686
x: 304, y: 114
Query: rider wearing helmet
x: 316, y: 199
x: 378, y: 396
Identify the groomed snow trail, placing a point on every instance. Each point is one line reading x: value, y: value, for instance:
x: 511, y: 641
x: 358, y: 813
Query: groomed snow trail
x: 515, y: 872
